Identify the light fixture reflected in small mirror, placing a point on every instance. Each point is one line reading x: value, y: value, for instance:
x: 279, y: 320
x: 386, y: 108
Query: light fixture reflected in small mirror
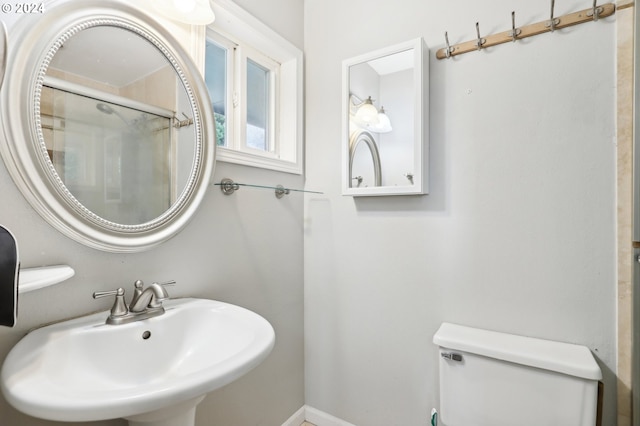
x: 384, y: 124
x: 193, y: 12
x: 365, y: 115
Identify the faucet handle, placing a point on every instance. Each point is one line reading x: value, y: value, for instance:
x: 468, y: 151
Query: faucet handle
x: 138, y: 286
x: 119, y: 307
x: 100, y: 294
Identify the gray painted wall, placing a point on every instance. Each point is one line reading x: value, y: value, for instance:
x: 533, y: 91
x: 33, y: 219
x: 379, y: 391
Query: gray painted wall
x: 244, y: 249
x: 517, y: 234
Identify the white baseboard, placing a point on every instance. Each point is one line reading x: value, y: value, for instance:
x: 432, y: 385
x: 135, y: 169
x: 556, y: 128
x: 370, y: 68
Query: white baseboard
x: 296, y: 419
x: 315, y: 416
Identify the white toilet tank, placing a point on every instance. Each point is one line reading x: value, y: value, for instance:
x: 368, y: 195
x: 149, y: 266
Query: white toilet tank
x: 496, y: 379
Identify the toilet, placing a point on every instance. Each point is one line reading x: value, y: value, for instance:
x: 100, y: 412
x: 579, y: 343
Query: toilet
x: 496, y: 379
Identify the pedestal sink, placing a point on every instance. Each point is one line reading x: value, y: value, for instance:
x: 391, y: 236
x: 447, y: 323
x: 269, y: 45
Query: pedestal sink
x: 151, y: 372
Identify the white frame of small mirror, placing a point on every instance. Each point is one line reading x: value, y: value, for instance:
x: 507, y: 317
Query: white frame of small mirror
x: 36, y: 38
x: 420, y: 173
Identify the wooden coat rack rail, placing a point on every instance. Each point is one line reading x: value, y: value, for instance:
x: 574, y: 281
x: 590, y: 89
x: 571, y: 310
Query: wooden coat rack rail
x: 554, y: 23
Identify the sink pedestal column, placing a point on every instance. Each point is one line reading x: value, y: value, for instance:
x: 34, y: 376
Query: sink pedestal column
x: 183, y: 414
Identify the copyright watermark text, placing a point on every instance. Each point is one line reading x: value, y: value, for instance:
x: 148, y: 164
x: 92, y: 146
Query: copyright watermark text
x: 22, y: 8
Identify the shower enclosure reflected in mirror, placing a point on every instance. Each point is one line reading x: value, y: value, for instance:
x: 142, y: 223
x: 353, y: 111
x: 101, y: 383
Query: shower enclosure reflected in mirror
x: 107, y: 128
x: 385, y: 121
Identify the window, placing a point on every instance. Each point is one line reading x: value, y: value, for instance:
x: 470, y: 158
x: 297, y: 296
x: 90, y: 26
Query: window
x: 259, y: 107
x: 254, y: 78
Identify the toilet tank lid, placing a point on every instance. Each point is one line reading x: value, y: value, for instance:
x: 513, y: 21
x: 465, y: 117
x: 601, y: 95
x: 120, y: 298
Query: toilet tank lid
x: 574, y: 360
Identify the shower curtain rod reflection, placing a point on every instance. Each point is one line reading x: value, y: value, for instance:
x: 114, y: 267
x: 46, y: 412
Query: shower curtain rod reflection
x: 100, y: 96
x: 228, y: 187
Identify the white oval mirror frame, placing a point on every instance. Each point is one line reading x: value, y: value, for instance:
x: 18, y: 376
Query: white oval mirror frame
x: 415, y: 103
x: 33, y: 42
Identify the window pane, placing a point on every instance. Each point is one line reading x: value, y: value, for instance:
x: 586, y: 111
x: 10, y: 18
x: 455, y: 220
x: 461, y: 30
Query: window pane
x: 215, y: 76
x: 257, y: 106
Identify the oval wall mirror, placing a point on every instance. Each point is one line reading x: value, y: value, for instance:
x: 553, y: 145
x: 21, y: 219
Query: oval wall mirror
x: 108, y: 129
x: 385, y: 95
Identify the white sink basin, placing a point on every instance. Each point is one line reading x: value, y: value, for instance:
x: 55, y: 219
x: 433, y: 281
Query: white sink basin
x: 85, y: 370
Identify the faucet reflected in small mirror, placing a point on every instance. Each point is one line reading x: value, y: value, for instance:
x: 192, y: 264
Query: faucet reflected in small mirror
x: 409, y: 176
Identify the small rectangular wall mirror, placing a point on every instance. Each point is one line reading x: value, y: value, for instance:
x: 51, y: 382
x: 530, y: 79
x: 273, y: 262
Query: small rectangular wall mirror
x: 385, y: 121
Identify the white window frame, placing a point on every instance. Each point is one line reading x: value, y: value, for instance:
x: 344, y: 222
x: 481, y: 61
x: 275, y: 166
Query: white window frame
x: 255, y: 40
x: 229, y: 96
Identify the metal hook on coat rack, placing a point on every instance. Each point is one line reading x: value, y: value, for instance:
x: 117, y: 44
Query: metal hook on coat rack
x: 515, y: 32
x: 449, y: 49
x: 593, y: 13
x: 481, y: 41
x: 553, y: 22
x: 596, y: 11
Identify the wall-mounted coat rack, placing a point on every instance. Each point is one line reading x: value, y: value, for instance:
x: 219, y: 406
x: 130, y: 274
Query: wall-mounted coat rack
x: 516, y: 33
x: 228, y: 187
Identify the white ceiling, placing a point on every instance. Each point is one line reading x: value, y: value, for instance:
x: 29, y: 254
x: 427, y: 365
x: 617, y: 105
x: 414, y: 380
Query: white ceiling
x: 109, y: 55
x: 393, y: 63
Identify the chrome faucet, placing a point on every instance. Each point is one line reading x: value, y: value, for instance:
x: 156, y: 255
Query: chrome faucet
x: 145, y: 303
x: 149, y: 298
